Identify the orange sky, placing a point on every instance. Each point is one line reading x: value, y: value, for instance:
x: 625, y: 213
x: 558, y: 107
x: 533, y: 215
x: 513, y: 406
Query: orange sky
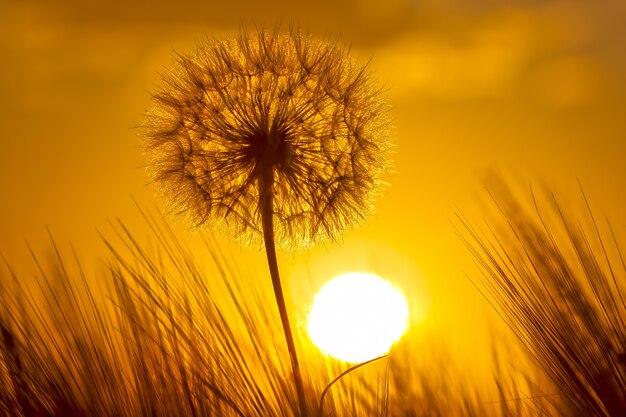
x: 536, y: 90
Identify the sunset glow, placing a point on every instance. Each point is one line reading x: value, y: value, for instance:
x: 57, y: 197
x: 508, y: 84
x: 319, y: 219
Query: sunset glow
x: 357, y: 317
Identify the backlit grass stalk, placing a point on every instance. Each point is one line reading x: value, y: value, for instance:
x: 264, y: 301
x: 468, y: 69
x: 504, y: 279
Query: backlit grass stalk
x: 559, y: 284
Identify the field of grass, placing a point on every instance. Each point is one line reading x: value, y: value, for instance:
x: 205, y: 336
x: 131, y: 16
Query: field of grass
x: 169, y: 334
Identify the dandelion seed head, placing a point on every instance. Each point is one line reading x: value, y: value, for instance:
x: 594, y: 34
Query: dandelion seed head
x: 270, y: 102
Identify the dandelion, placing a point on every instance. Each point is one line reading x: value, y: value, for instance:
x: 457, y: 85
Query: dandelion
x: 275, y: 135
x: 273, y: 116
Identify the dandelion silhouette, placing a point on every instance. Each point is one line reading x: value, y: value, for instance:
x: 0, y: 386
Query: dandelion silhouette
x: 273, y: 135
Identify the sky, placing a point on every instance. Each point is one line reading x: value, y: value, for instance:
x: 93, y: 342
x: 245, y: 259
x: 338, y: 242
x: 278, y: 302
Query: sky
x: 534, y: 90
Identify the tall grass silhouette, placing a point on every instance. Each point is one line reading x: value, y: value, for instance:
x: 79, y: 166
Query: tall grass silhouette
x: 181, y: 335
x: 278, y: 134
x: 558, y: 279
x: 165, y: 343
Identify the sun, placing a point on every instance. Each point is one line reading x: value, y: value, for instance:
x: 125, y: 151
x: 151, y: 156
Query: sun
x: 357, y: 317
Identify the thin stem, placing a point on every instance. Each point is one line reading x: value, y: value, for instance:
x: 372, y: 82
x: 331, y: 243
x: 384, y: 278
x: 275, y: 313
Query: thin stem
x: 266, y: 206
x: 320, y: 408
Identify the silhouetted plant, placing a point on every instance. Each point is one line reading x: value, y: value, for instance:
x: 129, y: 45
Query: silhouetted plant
x: 169, y: 342
x: 560, y: 286
x: 269, y: 116
x: 278, y: 134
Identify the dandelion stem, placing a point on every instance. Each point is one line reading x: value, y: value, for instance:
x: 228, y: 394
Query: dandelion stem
x: 266, y: 181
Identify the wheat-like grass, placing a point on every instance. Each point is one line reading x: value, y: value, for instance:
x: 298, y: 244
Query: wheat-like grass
x: 179, y: 335
x: 559, y: 283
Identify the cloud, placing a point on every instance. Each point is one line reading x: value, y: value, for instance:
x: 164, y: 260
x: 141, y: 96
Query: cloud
x: 555, y: 55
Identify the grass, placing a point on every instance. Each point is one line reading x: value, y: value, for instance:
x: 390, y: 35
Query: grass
x: 558, y: 279
x: 177, y: 335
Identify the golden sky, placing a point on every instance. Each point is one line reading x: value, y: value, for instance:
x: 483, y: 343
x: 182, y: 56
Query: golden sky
x: 533, y: 89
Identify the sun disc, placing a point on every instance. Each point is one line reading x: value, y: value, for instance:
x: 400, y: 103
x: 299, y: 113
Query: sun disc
x: 357, y: 317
